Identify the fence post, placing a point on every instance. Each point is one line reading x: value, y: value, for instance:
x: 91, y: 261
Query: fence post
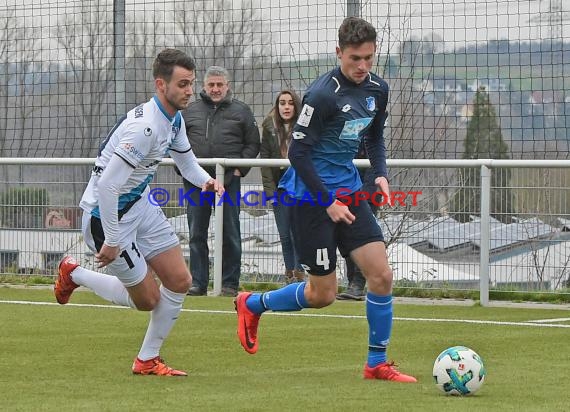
x: 353, y: 8
x: 119, y: 55
x: 485, y: 235
x: 218, y: 234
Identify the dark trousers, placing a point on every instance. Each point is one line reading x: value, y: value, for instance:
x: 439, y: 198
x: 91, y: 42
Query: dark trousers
x: 198, y: 222
x: 284, y: 223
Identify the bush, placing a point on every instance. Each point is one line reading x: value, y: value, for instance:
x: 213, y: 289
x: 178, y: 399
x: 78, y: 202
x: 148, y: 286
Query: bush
x: 23, y: 207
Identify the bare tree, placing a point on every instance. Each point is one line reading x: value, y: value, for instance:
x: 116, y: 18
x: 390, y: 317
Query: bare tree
x: 216, y: 32
x: 145, y: 35
x: 8, y: 36
x: 19, y: 53
x: 28, y: 81
x: 86, y: 38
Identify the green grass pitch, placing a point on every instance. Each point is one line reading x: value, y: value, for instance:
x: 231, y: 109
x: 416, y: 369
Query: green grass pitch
x: 78, y: 357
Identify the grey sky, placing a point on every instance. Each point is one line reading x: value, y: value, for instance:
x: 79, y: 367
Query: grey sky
x: 308, y: 27
x: 456, y: 21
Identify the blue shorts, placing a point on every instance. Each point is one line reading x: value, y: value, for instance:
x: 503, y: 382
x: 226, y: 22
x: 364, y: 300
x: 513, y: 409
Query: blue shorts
x: 317, y: 236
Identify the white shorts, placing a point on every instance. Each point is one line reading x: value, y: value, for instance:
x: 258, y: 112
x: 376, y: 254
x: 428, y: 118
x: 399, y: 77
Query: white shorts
x: 144, y: 233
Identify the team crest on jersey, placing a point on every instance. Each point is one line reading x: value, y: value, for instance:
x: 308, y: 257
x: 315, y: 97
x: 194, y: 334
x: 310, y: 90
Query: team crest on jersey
x: 305, y: 116
x: 370, y: 103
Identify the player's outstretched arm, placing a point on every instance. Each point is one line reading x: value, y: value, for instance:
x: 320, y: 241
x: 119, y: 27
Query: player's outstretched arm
x: 113, y: 178
x: 194, y: 173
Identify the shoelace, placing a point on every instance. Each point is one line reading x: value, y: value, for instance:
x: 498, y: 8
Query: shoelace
x: 391, y: 370
x: 162, y: 368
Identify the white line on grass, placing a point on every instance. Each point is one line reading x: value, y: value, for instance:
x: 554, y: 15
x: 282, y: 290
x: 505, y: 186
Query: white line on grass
x: 311, y: 315
x: 550, y: 320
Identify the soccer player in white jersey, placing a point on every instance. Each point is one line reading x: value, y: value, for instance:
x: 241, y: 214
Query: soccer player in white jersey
x: 129, y: 233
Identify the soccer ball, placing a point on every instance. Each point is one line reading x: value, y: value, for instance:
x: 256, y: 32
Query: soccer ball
x: 459, y: 371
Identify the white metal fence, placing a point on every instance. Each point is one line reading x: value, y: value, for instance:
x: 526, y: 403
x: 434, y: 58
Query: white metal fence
x: 458, y: 224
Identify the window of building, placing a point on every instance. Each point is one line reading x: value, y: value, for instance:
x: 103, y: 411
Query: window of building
x: 8, y: 261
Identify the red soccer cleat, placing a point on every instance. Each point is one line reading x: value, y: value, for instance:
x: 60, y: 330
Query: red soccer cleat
x: 64, y: 285
x: 247, y: 323
x: 387, y: 371
x: 155, y: 366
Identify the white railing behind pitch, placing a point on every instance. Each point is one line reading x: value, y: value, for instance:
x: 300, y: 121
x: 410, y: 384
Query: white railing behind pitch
x: 465, y: 230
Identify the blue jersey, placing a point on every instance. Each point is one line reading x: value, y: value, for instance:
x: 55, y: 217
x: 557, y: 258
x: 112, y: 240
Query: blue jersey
x: 336, y: 115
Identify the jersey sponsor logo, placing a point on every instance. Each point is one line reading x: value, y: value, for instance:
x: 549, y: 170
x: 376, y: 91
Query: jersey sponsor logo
x: 346, y: 108
x: 305, y: 116
x: 352, y: 128
x: 298, y: 135
x: 139, y: 111
x: 147, y: 131
x: 371, y: 103
x: 131, y: 150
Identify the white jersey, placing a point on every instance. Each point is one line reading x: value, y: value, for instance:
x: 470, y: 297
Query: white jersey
x: 141, y: 138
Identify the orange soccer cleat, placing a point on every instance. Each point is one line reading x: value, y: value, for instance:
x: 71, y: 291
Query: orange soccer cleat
x: 247, y: 323
x: 155, y: 366
x: 64, y: 285
x: 387, y: 371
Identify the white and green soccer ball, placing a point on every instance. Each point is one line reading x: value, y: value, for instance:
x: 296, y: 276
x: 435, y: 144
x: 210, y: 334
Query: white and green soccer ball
x: 459, y: 371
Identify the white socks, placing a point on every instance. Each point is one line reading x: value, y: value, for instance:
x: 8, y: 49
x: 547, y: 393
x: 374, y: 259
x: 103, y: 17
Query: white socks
x: 108, y: 287
x: 162, y: 317
x: 162, y: 320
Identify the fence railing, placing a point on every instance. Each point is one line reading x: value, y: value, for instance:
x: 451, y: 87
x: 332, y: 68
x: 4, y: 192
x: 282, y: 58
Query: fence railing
x: 461, y: 224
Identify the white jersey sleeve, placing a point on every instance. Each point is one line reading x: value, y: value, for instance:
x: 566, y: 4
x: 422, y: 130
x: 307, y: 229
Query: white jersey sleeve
x: 135, y: 143
x: 189, y: 168
x: 110, y: 183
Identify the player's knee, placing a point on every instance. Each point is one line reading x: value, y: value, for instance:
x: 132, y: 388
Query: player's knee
x: 180, y: 283
x: 185, y: 283
x: 381, y: 279
x: 148, y: 304
x: 322, y: 299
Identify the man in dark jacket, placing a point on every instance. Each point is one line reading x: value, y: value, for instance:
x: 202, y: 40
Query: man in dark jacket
x: 218, y: 126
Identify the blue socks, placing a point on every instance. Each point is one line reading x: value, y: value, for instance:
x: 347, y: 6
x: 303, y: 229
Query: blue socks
x: 287, y: 299
x: 292, y: 298
x: 379, y: 314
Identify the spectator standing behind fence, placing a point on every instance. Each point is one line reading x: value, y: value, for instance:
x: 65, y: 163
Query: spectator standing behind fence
x: 218, y: 126
x: 340, y: 108
x: 276, y: 137
x: 123, y: 225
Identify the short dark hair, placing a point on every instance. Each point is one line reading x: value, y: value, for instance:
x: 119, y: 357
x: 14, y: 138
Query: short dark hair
x: 355, y: 31
x: 167, y: 59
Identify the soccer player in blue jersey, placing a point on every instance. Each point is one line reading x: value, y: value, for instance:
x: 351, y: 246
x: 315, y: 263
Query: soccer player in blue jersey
x: 340, y: 109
